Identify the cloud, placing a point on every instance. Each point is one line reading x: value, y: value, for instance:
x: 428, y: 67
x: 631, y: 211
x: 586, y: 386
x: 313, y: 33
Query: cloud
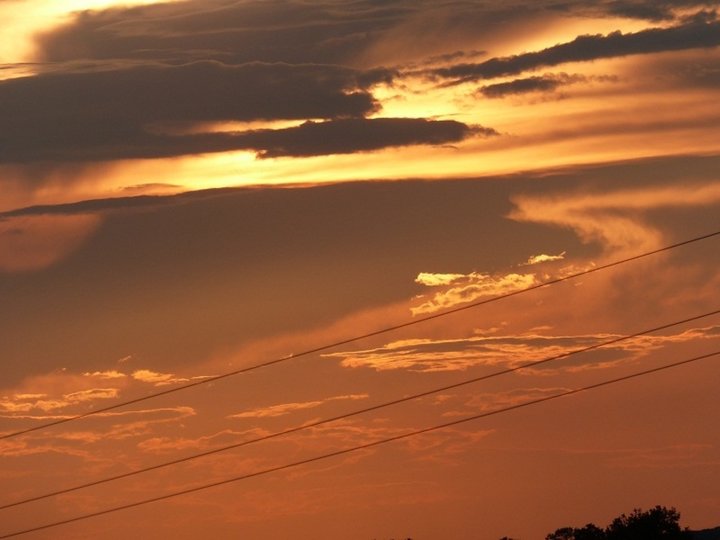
x: 343, y: 33
x: 92, y: 394
x: 355, y: 135
x: 538, y: 259
x: 134, y: 424
x: 364, y: 32
x: 544, y: 83
x: 128, y: 113
x: 283, y: 409
x: 233, y: 32
x: 149, y: 418
x: 146, y: 375
x: 485, y: 402
x: 120, y: 78
x: 640, y: 10
x: 349, y: 432
x: 23, y: 403
x: 22, y: 448
x: 211, y: 234
x: 428, y: 355
x: 173, y: 444
x: 361, y: 32
x: 439, y: 446
x: 431, y: 355
x: 653, y: 10
x: 435, y: 280
x: 470, y: 287
x: 163, y: 379
x: 108, y: 113
x: 152, y: 188
x: 691, y: 35
x: 615, y: 219
x: 112, y: 374
x: 127, y: 203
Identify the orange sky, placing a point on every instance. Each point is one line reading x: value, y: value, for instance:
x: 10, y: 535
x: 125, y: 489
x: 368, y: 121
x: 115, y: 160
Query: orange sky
x: 193, y: 187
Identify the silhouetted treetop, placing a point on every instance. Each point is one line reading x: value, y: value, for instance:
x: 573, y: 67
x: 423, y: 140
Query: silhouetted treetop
x: 659, y: 523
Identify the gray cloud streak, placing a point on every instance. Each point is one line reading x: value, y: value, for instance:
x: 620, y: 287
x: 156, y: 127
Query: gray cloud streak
x: 544, y: 83
x: 692, y: 35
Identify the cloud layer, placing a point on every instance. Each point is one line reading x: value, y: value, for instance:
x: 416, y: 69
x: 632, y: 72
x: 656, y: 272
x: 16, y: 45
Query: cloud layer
x: 699, y: 33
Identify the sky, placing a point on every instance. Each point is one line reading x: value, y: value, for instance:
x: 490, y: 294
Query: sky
x: 190, y: 188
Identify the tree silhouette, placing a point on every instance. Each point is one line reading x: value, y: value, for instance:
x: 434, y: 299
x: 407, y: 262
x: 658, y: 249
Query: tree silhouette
x: 655, y: 524
x: 588, y: 532
x: 659, y: 523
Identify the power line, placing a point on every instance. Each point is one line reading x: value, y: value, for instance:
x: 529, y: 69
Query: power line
x: 351, y: 414
x: 354, y: 339
x: 358, y: 448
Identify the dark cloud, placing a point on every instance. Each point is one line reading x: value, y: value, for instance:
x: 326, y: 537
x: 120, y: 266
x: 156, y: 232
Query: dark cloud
x: 265, y: 61
x: 693, y: 34
x: 228, y: 31
x: 355, y: 135
x: 293, y: 31
x: 109, y: 114
x: 654, y: 10
x: 123, y: 99
x: 196, y: 92
x: 128, y: 202
x: 342, y: 136
x: 544, y: 83
x: 454, y: 56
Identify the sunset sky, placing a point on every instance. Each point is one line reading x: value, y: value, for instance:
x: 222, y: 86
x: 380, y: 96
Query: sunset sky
x: 192, y: 187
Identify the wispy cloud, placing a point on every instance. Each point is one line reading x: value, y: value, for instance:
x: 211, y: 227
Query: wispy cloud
x: 542, y: 258
x: 467, y: 288
x: 435, y: 280
x: 485, y: 402
x: 161, y: 445
x: 690, y: 35
x: 614, y: 219
x: 283, y: 409
x: 111, y: 374
x: 162, y: 379
x: 427, y: 355
x: 142, y: 423
x: 23, y: 403
x: 540, y: 83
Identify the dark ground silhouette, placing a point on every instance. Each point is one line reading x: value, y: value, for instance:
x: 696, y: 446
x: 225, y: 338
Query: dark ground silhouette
x: 658, y: 523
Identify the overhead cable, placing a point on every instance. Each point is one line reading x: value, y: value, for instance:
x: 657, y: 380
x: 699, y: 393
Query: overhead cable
x: 357, y: 448
x: 304, y: 427
x: 323, y: 348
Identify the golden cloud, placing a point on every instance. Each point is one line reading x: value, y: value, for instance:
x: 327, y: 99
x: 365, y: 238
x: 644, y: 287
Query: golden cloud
x: 287, y: 408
